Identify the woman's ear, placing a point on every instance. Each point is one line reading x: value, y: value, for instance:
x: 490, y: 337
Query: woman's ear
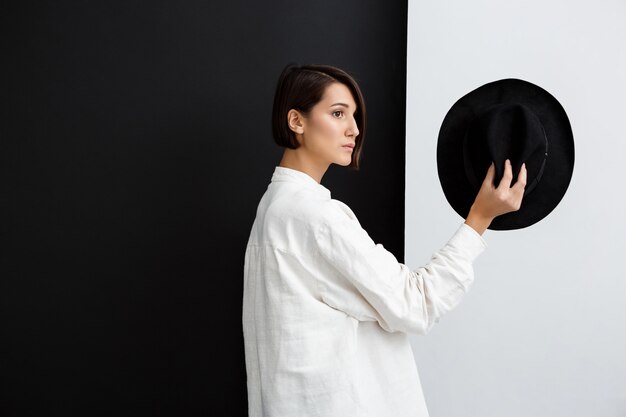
x: 295, y: 121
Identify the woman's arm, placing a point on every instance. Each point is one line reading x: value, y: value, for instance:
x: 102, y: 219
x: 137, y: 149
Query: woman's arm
x: 364, y: 280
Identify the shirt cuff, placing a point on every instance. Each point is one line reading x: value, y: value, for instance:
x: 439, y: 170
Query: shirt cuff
x: 470, y: 240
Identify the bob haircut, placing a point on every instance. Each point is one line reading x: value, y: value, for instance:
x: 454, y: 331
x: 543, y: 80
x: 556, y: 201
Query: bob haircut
x: 301, y: 87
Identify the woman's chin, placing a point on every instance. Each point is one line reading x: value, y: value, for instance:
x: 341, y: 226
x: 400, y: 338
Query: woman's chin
x: 345, y: 159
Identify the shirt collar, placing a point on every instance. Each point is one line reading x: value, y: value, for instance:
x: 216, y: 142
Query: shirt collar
x: 293, y: 175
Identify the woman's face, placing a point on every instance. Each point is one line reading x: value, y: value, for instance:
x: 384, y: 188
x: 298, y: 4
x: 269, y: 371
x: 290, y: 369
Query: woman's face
x: 329, y: 130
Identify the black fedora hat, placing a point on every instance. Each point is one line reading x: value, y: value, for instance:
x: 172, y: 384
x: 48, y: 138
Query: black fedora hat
x: 506, y: 119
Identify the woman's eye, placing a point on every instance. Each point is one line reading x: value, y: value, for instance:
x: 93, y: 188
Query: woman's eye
x: 337, y: 112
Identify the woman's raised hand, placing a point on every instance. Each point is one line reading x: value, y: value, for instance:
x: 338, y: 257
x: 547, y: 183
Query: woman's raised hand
x: 491, y: 202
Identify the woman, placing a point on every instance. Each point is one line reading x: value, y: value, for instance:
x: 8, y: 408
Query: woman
x: 327, y: 311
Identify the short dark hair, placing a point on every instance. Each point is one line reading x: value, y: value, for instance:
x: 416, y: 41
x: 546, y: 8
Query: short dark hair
x: 301, y: 87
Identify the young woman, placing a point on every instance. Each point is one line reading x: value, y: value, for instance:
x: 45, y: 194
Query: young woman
x: 326, y: 310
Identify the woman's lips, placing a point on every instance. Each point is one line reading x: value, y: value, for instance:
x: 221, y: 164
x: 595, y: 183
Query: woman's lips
x: 350, y: 148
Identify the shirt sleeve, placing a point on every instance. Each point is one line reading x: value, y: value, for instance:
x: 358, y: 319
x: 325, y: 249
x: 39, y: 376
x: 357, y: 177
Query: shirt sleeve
x: 366, y: 281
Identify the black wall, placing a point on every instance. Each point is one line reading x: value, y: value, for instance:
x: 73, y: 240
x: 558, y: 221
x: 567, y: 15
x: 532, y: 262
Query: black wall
x: 135, y: 144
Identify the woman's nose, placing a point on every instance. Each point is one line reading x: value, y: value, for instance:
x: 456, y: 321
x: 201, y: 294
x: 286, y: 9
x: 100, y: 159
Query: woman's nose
x: 354, y: 130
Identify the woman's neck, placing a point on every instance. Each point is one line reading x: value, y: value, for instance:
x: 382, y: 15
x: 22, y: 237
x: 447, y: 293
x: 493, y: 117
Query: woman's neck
x: 296, y: 160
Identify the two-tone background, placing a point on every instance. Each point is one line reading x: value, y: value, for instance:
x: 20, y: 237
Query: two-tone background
x: 135, y: 143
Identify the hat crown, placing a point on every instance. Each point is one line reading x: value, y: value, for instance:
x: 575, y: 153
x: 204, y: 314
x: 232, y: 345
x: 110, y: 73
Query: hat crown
x: 505, y: 131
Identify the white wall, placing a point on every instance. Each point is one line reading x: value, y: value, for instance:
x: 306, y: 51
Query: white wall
x: 543, y: 330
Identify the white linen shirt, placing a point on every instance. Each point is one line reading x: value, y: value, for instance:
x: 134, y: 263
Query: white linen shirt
x: 327, y: 312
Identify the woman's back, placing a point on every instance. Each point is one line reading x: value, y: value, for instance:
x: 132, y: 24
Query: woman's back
x: 320, y: 342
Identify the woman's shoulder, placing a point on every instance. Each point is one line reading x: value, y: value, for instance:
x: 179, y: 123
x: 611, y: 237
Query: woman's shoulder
x: 327, y: 213
x: 340, y: 211
x: 308, y: 208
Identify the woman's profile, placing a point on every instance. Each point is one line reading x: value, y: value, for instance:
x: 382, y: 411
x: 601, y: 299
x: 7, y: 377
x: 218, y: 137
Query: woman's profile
x: 327, y: 311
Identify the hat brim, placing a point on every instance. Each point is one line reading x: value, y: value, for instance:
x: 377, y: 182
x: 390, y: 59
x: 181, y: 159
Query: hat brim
x: 559, y: 163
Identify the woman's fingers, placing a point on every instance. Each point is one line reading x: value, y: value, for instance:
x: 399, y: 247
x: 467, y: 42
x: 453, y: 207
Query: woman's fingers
x: 521, y: 178
x: 491, y: 201
x: 491, y: 173
x: 507, y: 177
